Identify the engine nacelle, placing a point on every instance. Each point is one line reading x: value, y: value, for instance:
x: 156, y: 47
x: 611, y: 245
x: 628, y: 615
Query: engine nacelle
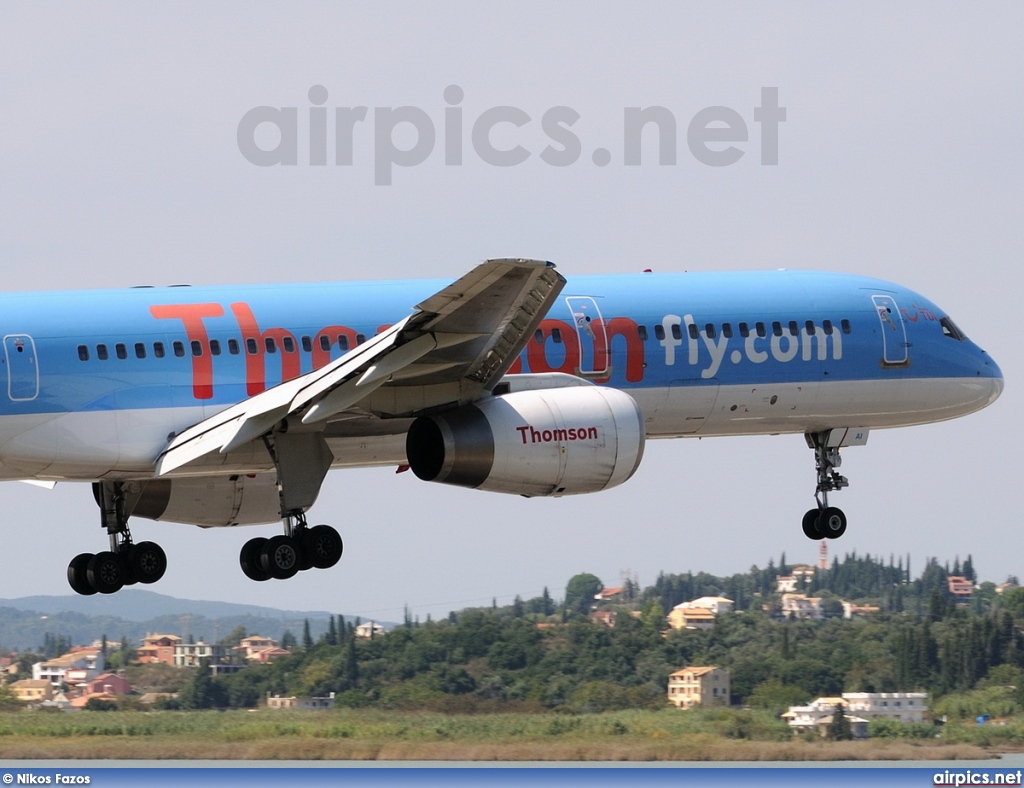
x: 208, y: 502
x: 551, y: 442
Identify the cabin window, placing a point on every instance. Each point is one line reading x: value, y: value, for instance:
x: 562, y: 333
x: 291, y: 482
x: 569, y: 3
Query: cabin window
x: 809, y: 325
x: 845, y: 325
x: 307, y: 344
x: 677, y: 332
x: 761, y: 332
x: 659, y: 332
x: 641, y: 331
x: 251, y: 347
x: 101, y: 352
x: 727, y: 330
x: 709, y: 330
x: 270, y: 345
x: 692, y: 330
x: 197, y: 347
x: 179, y: 348
x: 140, y: 350
x: 158, y: 349
x: 744, y: 330
x: 233, y: 347
x: 83, y: 353
x: 343, y: 341
x: 214, y: 347
x: 121, y: 350
x: 556, y: 336
x: 361, y: 338
x: 538, y: 337
x: 289, y: 345
x: 794, y: 328
x: 826, y: 326
x: 777, y: 328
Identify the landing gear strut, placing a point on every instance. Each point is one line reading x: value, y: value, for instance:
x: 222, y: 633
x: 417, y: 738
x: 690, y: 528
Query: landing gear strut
x: 125, y: 563
x: 302, y: 461
x: 825, y: 522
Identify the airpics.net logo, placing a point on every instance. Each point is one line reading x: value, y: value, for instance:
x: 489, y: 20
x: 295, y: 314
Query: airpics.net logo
x: 408, y: 136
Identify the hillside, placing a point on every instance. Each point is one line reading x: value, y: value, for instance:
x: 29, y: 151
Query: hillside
x: 133, y: 613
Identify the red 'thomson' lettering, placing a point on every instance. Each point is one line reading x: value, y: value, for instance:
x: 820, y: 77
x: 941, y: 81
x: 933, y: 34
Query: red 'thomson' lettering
x: 531, y: 435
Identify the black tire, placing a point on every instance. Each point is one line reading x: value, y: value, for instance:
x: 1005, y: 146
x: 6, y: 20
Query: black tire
x: 832, y: 523
x: 249, y: 558
x: 77, y: 577
x: 106, y: 572
x: 280, y: 557
x: 810, y: 525
x: 147, y: 562
x: 323, y: 545
x: 301, y: 538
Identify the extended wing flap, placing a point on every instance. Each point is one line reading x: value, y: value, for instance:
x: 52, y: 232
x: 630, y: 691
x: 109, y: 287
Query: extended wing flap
x: 468, y: 333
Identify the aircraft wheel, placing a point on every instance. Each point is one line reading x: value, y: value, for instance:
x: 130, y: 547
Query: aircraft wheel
x: 77, y: 578
x: 301, y: 539
x: 280, y: 557
x: 323, y: 545
x: 810, y: 525
x: 106, y: 572
x: 147, y: 562
x: 832, y: 523
x: 250, y: 559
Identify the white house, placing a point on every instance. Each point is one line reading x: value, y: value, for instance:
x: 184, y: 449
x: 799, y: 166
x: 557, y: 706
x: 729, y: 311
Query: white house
x: 191, y: 655
x: 801, y: 606
x: 860, y: 706
x: 83, y: 664
x: 719, y: 605
x: 371, y: 629
x: 902, y: 706
x: 294, y: 702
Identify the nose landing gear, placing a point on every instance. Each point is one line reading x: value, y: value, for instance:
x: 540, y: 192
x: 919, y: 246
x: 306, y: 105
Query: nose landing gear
x: 826, y: 522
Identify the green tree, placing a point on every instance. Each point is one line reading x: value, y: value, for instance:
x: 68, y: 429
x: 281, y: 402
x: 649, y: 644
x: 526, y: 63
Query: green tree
x: 775, y: 696
x: 203, y: 692
x: 234, y: 637
x: 580, y: 592
x: 351, y: 662
x: 839, y: 728
x: 307, y: 637
x: 8, y: 700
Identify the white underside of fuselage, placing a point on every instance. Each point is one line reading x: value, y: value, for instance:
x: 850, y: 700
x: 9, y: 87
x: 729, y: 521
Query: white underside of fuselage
x: 125, y: 444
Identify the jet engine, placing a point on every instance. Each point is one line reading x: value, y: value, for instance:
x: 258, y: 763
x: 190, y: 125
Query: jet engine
x: 207, y: 501
x: 559, y: 441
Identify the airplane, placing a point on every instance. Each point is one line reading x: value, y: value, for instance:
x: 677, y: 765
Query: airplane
x: 223, y: 406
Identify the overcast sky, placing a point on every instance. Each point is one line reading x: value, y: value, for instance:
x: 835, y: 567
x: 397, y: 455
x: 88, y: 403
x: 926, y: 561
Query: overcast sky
x: 900, y: 157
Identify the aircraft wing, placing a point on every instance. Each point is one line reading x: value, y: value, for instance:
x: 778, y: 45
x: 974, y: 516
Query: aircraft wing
x: 455, y: 346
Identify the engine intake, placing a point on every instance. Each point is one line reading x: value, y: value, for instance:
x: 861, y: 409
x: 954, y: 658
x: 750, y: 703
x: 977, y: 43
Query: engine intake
x: 552, y: 442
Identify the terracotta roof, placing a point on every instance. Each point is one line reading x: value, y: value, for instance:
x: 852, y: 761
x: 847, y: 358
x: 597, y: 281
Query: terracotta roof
x: 697, y: 612
x: 696, y: 671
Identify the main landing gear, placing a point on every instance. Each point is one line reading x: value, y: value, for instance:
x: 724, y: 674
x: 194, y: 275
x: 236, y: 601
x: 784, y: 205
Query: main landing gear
x: 302, y: 460
x: 125, y: 563
x: 298, y: 549
x: 825, y: 522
